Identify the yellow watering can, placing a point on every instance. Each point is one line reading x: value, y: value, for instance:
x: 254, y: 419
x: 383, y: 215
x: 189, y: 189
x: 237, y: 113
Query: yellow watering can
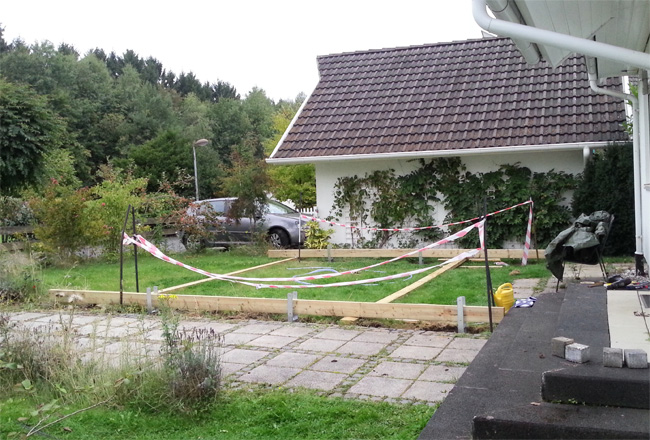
x: 504, y: 296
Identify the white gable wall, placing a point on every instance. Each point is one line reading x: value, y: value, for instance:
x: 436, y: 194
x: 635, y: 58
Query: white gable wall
x: 327, y: 174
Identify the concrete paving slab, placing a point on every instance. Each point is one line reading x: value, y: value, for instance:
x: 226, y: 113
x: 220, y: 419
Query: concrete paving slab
x: 429, y: 339
x: 26, y: 316
x: 229, y: 368
x: 238, y: 338
x: 272, y: 341
x: 381, y: 386
x: 442, y: 373
x: 382, y: 337
x: 627, y: 320
x: 336, y: 364
x: 216, y: 327
x: 429, y: 391
x: 362, y: 348
x: 398, y: 370
x: 415, y: 352
x: 258, y: 328
x: 241, y: 356
x: 467, y: 344
x: 457, y: 356
x: 337, y: 334
x: 270, y: 375
x: 295, y: 331
x: 318, y: 380
x: 298, y: 360
x: 322, y: 345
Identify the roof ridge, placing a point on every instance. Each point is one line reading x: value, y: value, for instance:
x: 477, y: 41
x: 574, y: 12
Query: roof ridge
x: 414, y: 46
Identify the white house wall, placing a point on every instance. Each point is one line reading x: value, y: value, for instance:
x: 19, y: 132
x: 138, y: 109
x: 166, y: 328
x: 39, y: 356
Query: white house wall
x: 327, y: 174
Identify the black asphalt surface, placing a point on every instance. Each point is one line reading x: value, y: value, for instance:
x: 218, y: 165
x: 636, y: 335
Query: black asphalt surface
x: 500, y: 394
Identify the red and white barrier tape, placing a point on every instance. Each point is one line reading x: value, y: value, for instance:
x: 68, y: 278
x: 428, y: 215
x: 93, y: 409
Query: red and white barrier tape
x: 316, y: 219
x: 524, y: 258
x: 141, y: 242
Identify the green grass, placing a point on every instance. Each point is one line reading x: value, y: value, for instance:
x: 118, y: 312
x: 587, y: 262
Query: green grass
x: 238, y: 414
x: 153, y: 272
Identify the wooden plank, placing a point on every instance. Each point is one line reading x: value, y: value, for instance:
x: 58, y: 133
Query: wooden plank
x: 408, y: 289
x: 11, y: 230
x: 421, y: 282
x: 13, y: 246
x: 420, y: 312
x: 391, y: 253
x: 193, y: 283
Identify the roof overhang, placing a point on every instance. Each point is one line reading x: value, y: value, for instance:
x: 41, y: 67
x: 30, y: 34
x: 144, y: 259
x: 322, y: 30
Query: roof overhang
x: 616, y: 33
x: 579, y: 146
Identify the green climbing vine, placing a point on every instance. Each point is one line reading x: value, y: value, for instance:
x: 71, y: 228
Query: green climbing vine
x: 391, y: 201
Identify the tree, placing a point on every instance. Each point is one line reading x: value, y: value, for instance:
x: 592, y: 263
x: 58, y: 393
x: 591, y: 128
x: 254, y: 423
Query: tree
x: 162, y: 158
x: 28, y: 131
x: 259, y: 110
x: 290, y: 182
x: 248, y: 181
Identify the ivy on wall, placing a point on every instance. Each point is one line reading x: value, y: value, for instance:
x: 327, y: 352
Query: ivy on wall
x: 392, y: 201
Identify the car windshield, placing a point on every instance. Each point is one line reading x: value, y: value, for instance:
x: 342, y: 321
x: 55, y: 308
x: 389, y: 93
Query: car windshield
x: 279, y: 208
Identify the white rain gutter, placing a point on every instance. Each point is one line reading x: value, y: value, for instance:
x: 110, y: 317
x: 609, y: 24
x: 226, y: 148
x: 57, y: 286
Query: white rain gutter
x: 575, y: 44
x: 636, y: 148
x: 507, y: 10
x: 580, y: 146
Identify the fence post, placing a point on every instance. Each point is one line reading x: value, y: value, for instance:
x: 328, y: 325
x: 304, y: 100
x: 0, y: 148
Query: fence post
x: 149, y: 305
x: 460, y: 303
x: 290, y: 297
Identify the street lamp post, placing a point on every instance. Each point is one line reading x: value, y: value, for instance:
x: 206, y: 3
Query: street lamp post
x: 199, y: 143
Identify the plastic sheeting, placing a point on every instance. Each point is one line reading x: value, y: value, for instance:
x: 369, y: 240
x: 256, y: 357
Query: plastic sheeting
x: 581, y: 243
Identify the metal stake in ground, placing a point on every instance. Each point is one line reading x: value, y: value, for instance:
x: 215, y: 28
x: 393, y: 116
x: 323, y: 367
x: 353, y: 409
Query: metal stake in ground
x: 488, y: 277
x: 135, y: 251
x: 126, y: 219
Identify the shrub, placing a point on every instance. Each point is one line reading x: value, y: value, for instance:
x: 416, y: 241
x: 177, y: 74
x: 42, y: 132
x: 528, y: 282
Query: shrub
x: 19, y: 273
x: 608, y: 185
x: 66, y: 222
x: 315, y: 237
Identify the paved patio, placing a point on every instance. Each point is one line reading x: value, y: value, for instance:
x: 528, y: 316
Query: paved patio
x: 405, y: 366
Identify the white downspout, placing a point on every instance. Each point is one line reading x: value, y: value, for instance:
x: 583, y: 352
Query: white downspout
x: 556, y: 39
x: 636, y: 148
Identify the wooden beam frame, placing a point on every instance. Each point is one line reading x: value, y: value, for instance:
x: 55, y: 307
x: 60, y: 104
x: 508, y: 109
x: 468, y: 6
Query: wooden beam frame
x: 421, y: 312
x: 392, y: 253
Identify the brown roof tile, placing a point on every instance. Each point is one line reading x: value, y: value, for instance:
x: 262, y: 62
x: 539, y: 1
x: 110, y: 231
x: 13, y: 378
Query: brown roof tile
x: 448, y: 96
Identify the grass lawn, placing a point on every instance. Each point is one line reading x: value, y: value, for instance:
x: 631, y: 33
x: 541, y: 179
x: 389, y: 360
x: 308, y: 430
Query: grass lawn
x: 238, y: 414
x: 470, y: 283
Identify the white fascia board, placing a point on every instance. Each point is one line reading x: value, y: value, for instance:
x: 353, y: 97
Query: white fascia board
x: 293, y: 121
x: 442, y: 153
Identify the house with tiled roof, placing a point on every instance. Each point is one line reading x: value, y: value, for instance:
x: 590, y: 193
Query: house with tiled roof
x: 477, y: 100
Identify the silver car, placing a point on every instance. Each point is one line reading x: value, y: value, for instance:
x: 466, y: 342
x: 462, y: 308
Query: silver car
x: 282, y: 224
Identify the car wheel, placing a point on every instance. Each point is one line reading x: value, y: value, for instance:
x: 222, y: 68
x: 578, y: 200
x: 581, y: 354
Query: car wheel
x: 193, y: 243
x: 279, y: 238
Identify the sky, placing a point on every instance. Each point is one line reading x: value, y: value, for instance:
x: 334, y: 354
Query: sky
x: 271, y: 45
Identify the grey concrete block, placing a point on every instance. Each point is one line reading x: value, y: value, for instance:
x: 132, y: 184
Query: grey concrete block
x: 577, y: 353
x: 636, y: 358
x: 613, y: 357
x: 558, y: 346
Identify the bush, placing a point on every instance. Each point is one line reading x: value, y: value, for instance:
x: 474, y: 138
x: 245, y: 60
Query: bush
x: 607, y: 184
x: 66, y: 223
x: 19, y: 274
x: 315, y: 237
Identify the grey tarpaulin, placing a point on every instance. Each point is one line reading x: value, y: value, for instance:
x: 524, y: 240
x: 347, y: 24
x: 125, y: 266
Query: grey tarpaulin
x: 581, y: 243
